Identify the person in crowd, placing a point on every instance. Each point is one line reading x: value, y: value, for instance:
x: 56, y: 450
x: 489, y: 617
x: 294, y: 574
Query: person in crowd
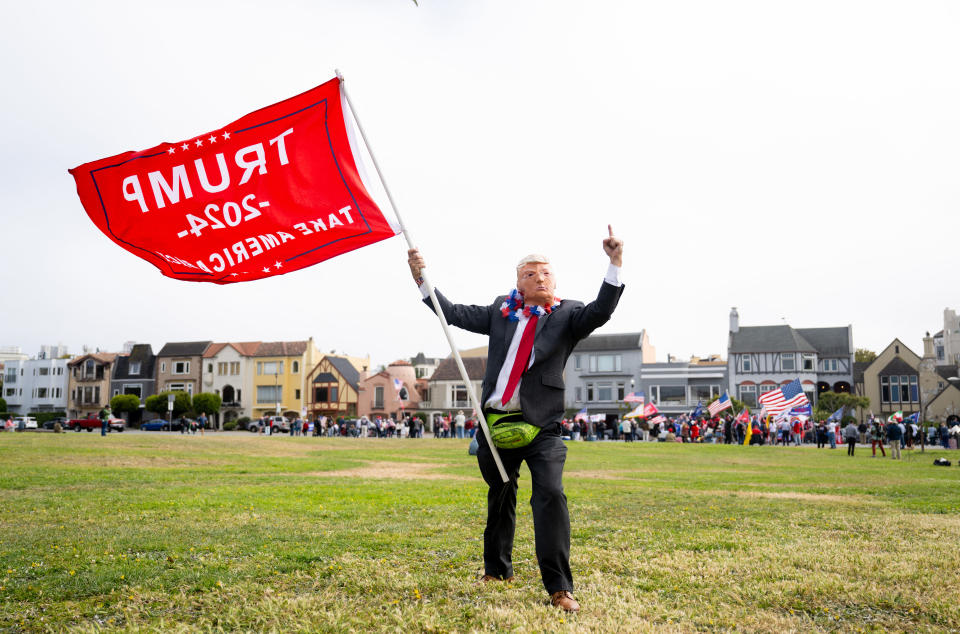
x: 832, y: 433
x: 821, y: 434
x: 876, y: 438
x: 851, y: 433
x: 894, y: 436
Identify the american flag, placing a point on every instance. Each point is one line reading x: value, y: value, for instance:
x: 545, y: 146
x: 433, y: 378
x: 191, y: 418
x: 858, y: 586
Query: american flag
x: 659, y: 419
x: 581, y: 415
x: 790, y: 395
x: 634, y: 397
x: 719, y: 405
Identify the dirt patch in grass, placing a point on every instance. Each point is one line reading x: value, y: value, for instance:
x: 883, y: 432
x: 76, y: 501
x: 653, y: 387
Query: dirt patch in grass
x: 796, y: 495
x: 392, y: 471
x: 595, y: 475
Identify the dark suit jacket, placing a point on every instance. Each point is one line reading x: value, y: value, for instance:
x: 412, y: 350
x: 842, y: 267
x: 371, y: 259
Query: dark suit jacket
x: 541, y: 387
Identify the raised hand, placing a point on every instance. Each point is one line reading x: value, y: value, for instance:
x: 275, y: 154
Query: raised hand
x: 613, y: 247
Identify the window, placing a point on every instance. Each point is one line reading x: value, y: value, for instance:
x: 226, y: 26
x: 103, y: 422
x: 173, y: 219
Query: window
x: 460, y: 396
x: 321, y: 395
x: 620, y: 391
x: 788, y: 361
x: 577, y: 394
x: 296, y: 394
x: 809, y: 362
x: 163, y: 366
x: 89, y: 368
x: 378, y: 397
x: 661, y: 394
x: 134, y: 368
x: 44, y: 371
x: 914, y: 393
x: 894, y: 389
x: 11, y: 391
x: 269, y: 393
x: 748, y: 394
x: 766, y: 388
x: 830, y: 365
x: 704, y: 392
x: 333, y: 394
x: 605, y: 363
x: 116, y: 392
x: 136, y: 390
x: 884, y: 389
x: 42, y: 392
x: 269, y: 367
x: 176, y: 387
x: 940, y: 353
x: 221, y: 368
x: 904, y: 389
x: 576, y: 362
x: 604, y: 391
x: 295, y: 367
x: 234, y: 368
x: 181, y: 367
x: 209, y: 368
x: 589, y: 391
x: 746, y: 363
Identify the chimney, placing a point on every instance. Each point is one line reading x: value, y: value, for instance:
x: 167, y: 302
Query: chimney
x: 928, y: 347
x: 734, y: 320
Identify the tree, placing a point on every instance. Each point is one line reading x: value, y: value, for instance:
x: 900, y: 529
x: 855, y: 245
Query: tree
x: 3, y: 405
x: 829, y: 402
x: 207, y: 403
x: 862, y: 355
x: 125, y: 403
x: 158, y: 403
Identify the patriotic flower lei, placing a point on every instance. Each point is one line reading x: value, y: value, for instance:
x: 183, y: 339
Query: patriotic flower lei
x: 513, y: 307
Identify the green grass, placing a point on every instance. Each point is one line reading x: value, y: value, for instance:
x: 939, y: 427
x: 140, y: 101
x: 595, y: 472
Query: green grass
x: 173, y: 533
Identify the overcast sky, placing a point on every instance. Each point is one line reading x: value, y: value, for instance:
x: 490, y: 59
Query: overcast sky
x: 800, y: 161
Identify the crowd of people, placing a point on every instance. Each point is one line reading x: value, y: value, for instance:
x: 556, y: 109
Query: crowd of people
x: 795, y: 432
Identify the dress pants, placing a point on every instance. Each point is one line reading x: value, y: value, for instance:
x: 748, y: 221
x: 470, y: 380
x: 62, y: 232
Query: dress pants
x: 545, y: 457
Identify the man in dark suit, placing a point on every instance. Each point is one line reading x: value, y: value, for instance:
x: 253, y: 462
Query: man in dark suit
x: 532, y: 334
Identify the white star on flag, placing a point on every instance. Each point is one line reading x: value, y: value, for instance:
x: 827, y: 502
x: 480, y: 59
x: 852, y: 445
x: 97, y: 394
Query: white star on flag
x: 277, y: 265
x: 212, y: 138
x: 171, y: 150
x: 185, y: 146
x: 266, y: 269
x: 226, y: 135
x: 199, y: 142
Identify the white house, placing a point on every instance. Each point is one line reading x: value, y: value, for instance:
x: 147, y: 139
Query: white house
x: 36, y: 385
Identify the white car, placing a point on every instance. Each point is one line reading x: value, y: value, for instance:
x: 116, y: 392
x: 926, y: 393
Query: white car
x: 28, y: 422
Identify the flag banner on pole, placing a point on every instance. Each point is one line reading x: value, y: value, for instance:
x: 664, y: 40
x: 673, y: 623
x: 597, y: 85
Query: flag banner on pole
x: 744, y: 416
x: 658, y: 420
x: 634, y: 397
x: 581, y: 415
x: 836, y: 416
x: 913, y: 418
x: 802, y: 410
x: 277, y: 190
x: 636, y: 412
x: 788, y: 396
x: 719, y: 405
x: 697, y: 411
x: 598, y: 418
x: 650, y: 409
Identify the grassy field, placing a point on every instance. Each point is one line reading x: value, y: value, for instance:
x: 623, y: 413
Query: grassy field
x: 171, y: 533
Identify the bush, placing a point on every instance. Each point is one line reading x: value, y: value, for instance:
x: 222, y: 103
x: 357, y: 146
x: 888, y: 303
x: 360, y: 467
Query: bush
x: 3, y: 405
x: 230, y: 425
x: 43, y: 417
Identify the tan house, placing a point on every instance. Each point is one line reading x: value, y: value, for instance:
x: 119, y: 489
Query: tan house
x: 899, y: 380
x: 279, y: 375
x: 180, y: 366
x: 379, y: 396
x: 333, y: 388
x: 89, y: 384
x: 448, y: 393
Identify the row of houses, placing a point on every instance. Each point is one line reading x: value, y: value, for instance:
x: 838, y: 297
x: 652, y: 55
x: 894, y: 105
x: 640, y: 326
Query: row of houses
x: 260, y: 378
x: 252, y: 378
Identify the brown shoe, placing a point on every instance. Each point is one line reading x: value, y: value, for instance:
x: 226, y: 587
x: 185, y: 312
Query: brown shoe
x: 564, y: 600
x: 488, y: 578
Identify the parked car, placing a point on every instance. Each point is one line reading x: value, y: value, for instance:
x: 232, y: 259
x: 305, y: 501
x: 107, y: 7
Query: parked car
x: 156, y: 425
x: 93, y: 422
x: 50, y: 424
x: 280, y: 424
x: 25, y: 422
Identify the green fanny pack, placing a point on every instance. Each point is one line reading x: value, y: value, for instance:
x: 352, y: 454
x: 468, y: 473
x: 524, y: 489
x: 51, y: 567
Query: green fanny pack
x: 509, y: 431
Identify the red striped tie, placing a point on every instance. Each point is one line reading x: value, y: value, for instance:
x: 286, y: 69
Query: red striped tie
x: 523, y: 356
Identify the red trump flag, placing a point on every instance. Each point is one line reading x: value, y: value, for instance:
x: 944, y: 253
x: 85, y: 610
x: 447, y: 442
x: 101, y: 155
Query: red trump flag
x: 275, y: 191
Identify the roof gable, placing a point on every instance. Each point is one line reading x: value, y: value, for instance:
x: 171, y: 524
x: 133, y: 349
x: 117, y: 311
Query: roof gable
x: 448, y: 371
x: 281, y: 349
x: 769, y: 339
x: 345, y: 369
x: 618, y: 341
x: 184, y: 349
x: 829, y: 342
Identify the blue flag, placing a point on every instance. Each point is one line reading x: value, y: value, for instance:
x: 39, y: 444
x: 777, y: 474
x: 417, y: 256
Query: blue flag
x: 698, y: 410
x: 913, y: 418
x: 837, y: 415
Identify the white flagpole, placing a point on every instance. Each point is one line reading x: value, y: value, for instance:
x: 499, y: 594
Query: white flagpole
x: 433, y: 295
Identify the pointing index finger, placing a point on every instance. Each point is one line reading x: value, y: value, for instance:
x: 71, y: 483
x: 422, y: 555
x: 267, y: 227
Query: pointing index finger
x: 610, y: 229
